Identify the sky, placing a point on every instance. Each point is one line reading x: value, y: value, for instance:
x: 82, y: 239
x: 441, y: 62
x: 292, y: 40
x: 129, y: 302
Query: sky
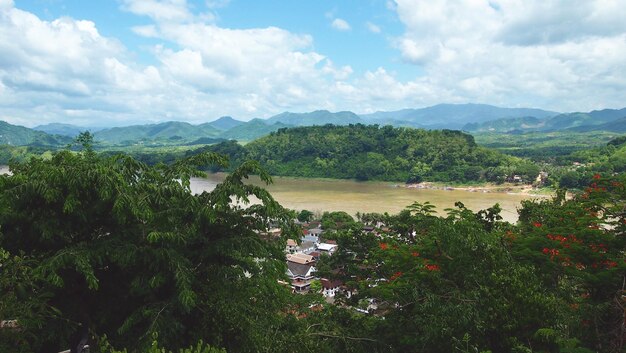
x: 122, y: 62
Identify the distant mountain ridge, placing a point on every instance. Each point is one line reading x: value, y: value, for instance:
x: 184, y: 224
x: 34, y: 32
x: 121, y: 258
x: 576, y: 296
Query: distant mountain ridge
x: 16, y: 135
x: 478, y: 118
x: 455, y: 116
x: 598, y: 120
x: 318, y: 117
x: 171, y: 130
x: 225, y: 123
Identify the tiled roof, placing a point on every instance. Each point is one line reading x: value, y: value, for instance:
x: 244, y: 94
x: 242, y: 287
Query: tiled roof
x: 298, y: 269
x: 300, y: 258
x: 328, y: 284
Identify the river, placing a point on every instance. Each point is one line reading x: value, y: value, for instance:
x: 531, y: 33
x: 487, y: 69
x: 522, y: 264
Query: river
x: 320, y: 195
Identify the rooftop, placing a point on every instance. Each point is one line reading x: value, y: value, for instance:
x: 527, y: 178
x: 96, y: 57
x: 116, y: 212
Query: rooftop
x: 300, y: 258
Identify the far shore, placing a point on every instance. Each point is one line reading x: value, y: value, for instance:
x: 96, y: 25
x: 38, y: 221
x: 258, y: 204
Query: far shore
x: 521, y: 189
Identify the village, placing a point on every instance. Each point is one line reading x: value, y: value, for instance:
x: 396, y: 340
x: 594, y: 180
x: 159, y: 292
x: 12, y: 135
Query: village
x: 316, y: 246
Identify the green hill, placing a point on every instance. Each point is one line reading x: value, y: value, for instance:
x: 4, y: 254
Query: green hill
x: 377, y: 153
x: 618, y: 125
x: 172, y: 131
x: 61, y: 129
x: 251, y: 130
x: 506, y: 125
x: 16, y: 135
x: 224, y: 123
x: 584, y: 121
x: 455, y: 116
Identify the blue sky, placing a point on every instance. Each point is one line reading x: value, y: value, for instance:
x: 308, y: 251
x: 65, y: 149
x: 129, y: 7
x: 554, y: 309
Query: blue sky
x: 119, y: 62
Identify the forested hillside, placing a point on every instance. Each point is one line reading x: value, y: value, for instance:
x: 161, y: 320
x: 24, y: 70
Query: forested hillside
x: 378, y: 153
x: 16, y: 135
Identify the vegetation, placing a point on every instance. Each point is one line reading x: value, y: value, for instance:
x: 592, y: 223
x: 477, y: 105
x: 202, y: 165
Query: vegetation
x: 378, y: 153
x: 112, y: 249
x: 109, y: 245
x: 548, y: 147
x: 469, y: 282
x: 14, y: 135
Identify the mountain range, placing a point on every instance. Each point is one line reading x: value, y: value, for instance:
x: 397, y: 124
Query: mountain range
x: 453, y: 116
x: 597, y: 120
x: 476, y: 118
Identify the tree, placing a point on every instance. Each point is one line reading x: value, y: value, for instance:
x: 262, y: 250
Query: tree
x: 112, y: 246
x: 305, y: 216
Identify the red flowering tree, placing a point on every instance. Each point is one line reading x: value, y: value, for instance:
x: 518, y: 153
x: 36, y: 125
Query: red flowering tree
x: 578, y: 244
x: 437, y: 279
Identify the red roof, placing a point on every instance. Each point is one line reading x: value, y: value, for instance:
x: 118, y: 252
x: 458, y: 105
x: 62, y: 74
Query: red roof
x: 328, y: 284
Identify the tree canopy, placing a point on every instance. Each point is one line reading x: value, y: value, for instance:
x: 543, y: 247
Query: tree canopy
x: 120, y: 248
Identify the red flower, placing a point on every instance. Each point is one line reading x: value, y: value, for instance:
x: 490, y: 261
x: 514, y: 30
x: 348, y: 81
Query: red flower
x: 432, y: 267
x: 537, y: 224
x: 396, y: 275
x: 415, y: 254
x: 383, y: 246
x: 597, y: 176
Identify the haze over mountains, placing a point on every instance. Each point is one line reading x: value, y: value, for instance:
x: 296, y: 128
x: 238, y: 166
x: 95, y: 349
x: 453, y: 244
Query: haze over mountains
x: 475, y: 118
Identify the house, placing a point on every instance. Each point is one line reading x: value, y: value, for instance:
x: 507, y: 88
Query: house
x: 300, y: 258
x: 291, y: 246
x: 275, y: 232
x: 307, y: 246
x: 330, y: 287
x: 300, y: 276
x: 326, y: 248
x: 315, y: 254
x: 316, y: 232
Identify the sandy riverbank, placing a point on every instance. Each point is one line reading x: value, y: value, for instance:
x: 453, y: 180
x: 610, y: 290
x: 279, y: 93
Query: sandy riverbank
x: 527, y: 190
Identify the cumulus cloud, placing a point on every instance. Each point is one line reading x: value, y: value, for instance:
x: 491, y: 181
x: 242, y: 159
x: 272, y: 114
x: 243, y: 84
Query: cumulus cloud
x: 6, y: 4
x: 340, y: 24
x: 65, y: 70
x: 554, y: 54
x: 509, y: 53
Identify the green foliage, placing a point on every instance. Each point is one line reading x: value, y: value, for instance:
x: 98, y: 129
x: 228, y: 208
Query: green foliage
x: 305, y: 216
x: 551, y: 147
x: 180, y: 132
x: 336, y: 220
x: 374, y: 153
x: 125, y: 249
x: 578, y: 246
x: 470, y: 282
x: 15, y: 135
x: 82, y: 231
x: 105, y: 347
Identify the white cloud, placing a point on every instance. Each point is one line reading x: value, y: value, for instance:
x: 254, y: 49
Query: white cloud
x: 564, y: 55
x: 159, y: 10
x: 65, y: 70
x: 340, y: 24
x: 372, y: 27
x: 501, y: 53
x: 5, y: 4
